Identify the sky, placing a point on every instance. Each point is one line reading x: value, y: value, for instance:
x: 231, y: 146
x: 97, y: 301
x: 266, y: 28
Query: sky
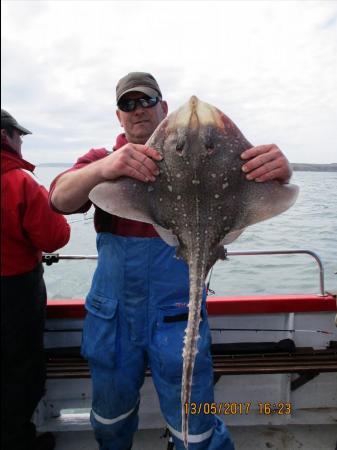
x: 271, y: 66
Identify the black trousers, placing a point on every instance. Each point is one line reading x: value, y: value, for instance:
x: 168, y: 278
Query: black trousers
x: 23, y: 304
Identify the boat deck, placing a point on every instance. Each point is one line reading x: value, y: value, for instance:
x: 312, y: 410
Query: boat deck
x: 320, y: 437
x: 251, y: 365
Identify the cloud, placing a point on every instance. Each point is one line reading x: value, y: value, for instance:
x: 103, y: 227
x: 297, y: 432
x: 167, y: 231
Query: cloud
x: 270, y: 66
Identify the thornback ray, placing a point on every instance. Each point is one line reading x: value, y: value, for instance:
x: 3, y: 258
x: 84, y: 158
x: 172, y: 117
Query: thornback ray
x: 200, y: 201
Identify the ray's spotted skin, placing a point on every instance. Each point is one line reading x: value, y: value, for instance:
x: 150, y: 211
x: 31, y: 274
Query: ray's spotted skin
x: 200, y: 201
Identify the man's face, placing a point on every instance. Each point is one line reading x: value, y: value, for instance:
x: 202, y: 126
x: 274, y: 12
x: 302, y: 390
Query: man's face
x: 140, y: 123
x: 14, y: 142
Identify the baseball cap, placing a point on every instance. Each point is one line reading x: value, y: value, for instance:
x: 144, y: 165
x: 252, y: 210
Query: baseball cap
x: 138, y: 82
x: 8, y: 120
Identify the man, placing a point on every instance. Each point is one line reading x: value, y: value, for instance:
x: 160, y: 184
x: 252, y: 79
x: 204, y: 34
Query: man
x: 137, y: 305
x: 28, y: 227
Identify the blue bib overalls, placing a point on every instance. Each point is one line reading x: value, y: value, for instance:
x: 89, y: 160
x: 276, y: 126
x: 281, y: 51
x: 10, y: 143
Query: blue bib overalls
x: 136, y: 317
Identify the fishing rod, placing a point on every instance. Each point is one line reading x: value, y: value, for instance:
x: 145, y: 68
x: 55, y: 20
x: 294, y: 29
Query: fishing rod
x: 292, y: 330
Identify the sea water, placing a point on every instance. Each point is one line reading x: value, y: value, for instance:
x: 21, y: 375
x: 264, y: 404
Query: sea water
x: 310, y: 224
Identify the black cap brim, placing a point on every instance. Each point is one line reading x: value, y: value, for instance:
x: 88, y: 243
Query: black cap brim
x: 143, y: 89
x: 22, y: 129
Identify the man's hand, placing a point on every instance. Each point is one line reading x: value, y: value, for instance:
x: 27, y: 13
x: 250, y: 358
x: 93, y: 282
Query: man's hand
x: 131, y: 160
x: 266, y: 162
x: 72, y: 189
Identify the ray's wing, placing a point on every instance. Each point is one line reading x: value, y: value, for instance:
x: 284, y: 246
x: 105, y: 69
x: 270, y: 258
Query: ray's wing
x: 129, y: 199
x: 261, y: 201
x: 124, y: 197
x: 231, y: 236
x: 166, y: 235
x: 266, y: 200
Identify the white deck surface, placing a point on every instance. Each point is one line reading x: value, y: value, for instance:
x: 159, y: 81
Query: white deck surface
x: 322, y: 437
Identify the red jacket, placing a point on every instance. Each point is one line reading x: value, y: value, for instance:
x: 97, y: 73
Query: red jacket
x: 28, y: 225
x: 105, y: 222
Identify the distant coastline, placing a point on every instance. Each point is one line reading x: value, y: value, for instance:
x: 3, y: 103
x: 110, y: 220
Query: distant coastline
x: 303, y: 167
x: 298, y: 167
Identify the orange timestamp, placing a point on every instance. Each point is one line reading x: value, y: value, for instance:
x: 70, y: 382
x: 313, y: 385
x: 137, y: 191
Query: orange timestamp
x: 219, y: 408
x: 237, y: 408
x: 278, y: 408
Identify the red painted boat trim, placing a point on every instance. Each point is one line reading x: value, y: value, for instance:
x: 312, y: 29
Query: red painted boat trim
x: 66, y: 308
x: 269, y: 304
x: 250, y: 304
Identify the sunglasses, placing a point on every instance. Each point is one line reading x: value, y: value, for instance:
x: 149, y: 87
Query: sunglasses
x: 130, y: 104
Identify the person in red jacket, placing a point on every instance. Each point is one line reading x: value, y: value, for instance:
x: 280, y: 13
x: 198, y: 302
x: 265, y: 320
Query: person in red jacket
x: 28, y: 228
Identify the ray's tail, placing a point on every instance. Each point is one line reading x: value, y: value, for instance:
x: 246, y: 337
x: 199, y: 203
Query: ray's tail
x: 197, y: 277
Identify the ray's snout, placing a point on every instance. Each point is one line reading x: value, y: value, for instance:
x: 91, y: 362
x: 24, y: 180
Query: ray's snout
x: 195, y: 114
x: 193, y: 102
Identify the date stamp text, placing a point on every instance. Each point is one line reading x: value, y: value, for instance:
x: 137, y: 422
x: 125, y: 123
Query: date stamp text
x: 238, y: 408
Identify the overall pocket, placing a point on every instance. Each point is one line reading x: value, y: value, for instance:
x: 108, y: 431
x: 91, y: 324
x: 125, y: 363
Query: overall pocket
x: 168, y: 342
x: 99, y: 330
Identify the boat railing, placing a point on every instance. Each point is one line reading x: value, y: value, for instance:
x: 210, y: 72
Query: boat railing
x: 51, y: 258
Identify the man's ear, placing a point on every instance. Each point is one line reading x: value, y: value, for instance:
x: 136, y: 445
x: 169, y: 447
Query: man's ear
x: 164, y: 107
x: 118, y: 114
